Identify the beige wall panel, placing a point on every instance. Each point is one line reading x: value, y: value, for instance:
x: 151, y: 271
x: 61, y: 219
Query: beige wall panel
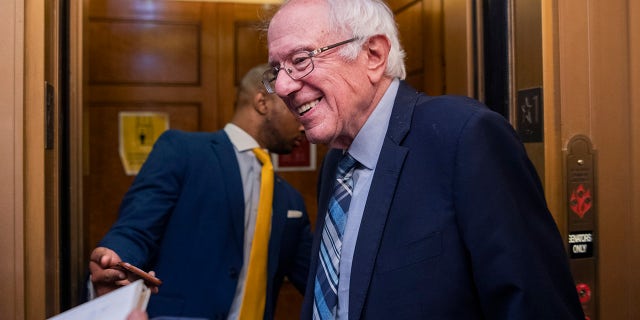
x: 11, y: 147
x: 594, y: 73
x: 143, y: 52
x: 573, y: 67
x: 608, y: 53
x: 410, y: 27
x: 456, y: 47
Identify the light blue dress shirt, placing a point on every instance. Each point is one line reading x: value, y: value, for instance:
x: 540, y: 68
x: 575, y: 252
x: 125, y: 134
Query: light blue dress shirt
x: 366, y: 149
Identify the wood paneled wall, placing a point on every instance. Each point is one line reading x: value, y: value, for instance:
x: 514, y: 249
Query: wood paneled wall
x: 437, y: 37
x: 591, y: 79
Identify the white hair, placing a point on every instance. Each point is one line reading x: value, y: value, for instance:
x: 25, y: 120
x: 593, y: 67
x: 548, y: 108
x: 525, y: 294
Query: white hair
x: 364, y: 19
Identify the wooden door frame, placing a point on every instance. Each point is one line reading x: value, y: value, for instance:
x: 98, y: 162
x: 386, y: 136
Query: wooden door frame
x: 33, y: 230
x: 77, y: 159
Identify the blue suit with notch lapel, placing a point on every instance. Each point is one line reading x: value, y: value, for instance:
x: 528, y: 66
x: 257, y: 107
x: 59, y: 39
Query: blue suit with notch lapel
x: 455, y: 225
x: 183, y: 217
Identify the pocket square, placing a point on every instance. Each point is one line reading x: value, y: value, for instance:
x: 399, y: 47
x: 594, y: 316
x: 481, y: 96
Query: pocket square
x: 294, y: 214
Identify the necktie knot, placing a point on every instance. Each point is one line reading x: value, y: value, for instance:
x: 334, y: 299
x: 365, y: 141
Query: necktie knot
x: 263, y: 156
x: 347, y: 164
x: 346, y: 167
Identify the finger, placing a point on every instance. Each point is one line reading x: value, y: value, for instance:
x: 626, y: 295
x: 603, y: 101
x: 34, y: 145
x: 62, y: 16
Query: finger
x: 97, y: 254
x: 100, y: 275
x: 154, y: 289
x: 102, y: 284
x: 123, y: 282
x: 104, y: 257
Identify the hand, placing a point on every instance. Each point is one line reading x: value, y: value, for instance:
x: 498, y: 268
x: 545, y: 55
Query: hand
x: 105, y: 278
x: 138, y: 315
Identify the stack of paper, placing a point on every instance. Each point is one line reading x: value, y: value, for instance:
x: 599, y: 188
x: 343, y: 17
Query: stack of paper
x: 115, y: 305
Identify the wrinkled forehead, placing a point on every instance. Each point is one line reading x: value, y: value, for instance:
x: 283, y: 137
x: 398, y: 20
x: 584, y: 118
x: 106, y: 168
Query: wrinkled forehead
x: 299, y: 25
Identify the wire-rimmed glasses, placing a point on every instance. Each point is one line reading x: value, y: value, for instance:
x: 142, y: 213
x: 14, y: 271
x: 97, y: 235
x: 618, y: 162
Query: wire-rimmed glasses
x: 297, y: 66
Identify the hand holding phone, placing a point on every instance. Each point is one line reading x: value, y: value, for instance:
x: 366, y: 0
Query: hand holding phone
x: 148, y: 278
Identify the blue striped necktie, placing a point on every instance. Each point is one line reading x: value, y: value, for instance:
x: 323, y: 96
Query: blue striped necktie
x: 328, y: 273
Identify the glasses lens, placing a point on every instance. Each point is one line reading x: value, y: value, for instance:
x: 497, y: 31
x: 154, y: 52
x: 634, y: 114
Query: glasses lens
x: 267, y: 79
x: 298, y: 66
x: 301, y: 65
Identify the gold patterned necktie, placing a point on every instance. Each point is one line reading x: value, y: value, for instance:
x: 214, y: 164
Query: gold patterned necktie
x: 255, y: 289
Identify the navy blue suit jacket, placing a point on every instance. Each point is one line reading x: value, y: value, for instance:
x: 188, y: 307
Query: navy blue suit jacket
x: 184, y: 218
x: 455, y: 225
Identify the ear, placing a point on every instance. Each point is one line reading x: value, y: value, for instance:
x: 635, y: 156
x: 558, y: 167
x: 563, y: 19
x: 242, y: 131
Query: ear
x: 377, y: 48
x: 260, y: 103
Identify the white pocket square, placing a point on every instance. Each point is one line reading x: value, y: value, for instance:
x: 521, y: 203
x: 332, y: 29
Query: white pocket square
x: 294, y: 214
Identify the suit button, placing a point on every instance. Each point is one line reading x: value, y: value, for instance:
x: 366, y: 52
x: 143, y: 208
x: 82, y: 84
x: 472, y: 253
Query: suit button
x: 233, y: 273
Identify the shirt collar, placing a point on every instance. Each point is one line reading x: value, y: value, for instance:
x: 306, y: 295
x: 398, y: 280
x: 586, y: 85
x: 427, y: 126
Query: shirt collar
x: 368, y: 142
x: 240, y: 139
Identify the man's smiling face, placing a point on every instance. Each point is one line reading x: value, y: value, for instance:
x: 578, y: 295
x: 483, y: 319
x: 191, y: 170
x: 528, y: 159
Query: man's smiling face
x: 333, y: 101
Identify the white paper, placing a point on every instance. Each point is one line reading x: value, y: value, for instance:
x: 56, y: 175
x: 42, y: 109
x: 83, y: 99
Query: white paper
x: 115, y: 305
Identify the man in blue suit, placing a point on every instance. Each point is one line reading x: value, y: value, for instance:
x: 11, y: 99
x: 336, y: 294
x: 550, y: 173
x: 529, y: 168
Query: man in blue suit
x: 190, y: 214
x: 446, y: 218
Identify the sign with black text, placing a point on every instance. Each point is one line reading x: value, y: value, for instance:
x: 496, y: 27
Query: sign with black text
x: 581, y: 244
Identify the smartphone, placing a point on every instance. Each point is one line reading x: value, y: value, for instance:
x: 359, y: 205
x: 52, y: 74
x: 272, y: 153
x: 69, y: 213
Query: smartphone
x: 148, y: 279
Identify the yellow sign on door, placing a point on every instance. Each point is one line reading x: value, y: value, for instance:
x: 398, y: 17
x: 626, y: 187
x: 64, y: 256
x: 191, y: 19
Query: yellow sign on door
x: 138, y: 132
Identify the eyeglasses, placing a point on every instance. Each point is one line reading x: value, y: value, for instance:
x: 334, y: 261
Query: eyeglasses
x: 297, y: 66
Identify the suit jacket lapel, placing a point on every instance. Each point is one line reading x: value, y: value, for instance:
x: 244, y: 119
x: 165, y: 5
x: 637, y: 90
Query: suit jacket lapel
x: 230, y: 173
x: 327, y: 174
x: 278, y: 220
x: 381, y: 193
